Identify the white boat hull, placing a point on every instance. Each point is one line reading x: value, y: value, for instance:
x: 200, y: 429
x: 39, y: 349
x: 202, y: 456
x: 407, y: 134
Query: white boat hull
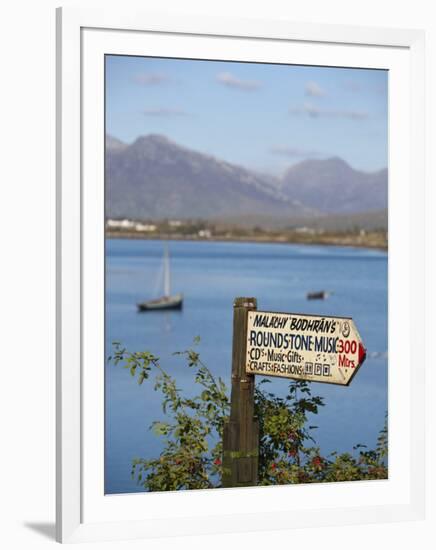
x: 166, y: 302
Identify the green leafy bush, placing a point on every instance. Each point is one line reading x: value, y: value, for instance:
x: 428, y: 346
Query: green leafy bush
x: 192, y: 431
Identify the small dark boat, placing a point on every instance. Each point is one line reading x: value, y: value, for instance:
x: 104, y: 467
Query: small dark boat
x: 319, y: 295
x: 166, y: 301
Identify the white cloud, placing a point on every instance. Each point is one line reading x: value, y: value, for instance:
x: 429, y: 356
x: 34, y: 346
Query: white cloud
x: 352, y: 86
x: 164, y: 112
x: 294, y: 152
x: 313, y: 89
x: 227, y: 79
x: 151, y: 79
x: 313, y: 111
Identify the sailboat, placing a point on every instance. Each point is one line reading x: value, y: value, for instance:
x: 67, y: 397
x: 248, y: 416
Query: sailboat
x: 166, y: 301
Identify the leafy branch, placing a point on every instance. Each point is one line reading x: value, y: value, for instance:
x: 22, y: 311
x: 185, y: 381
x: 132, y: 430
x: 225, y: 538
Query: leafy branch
x: 192, y: 431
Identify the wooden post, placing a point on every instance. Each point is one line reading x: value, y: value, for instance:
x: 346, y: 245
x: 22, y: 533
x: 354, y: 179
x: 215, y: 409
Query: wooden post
x: 241, y: 432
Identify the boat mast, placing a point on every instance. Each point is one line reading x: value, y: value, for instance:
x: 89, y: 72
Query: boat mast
x: 167, y: 280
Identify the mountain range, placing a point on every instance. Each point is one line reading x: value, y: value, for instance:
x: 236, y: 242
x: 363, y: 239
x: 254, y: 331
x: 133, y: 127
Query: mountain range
x: 155, y: 178
x: 333, y: 187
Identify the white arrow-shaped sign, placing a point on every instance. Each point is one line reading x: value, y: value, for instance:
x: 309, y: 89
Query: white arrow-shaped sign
x: 303, y: 347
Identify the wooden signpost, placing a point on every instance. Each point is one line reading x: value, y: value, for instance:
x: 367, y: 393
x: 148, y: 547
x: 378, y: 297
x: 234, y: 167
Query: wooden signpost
x: 302, y: 347
x: 241, y: 432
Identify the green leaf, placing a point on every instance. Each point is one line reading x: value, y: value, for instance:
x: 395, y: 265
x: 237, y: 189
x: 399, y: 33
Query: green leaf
x: 160, y: 428
x: 205, y: 395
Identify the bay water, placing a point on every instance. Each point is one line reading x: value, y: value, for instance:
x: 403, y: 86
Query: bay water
x: 210, y: 275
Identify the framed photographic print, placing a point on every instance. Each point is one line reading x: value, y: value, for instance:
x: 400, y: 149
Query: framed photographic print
x: 240, y: 297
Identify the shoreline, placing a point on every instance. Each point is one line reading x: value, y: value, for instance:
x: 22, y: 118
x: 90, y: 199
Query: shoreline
x: 352, y: 241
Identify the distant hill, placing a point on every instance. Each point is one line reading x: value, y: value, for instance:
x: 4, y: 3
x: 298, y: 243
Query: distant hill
x: 333, y: 186
x: 114, y: 144
x: 155, y: 178
x: 369, y: 220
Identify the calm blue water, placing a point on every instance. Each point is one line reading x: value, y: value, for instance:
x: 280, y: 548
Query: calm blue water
x: 211, y: 275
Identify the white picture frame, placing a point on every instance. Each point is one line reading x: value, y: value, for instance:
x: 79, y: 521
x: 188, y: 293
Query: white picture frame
x: 83, y: 512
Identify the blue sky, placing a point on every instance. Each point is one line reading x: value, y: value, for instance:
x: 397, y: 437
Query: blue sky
x: 262, y: 116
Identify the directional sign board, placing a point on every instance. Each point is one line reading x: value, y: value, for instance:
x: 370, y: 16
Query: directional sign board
x: 303, y: 347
